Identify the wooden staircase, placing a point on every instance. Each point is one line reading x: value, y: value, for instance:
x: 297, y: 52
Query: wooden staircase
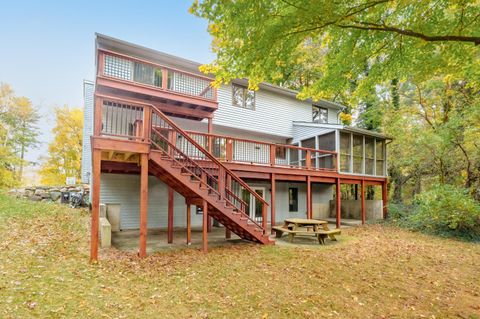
x: 192, y: 171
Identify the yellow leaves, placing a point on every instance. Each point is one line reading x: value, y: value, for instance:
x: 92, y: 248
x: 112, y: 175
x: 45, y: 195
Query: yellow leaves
x: 213, y: 29
x: 346, y: 118
x: 208, y: 68
x: 64, y: 152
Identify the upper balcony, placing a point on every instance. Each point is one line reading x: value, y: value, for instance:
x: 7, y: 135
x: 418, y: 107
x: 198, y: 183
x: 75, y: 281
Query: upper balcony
x: 174, y: 92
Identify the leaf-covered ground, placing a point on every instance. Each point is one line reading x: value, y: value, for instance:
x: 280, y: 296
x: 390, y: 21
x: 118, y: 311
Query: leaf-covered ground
x: 374, y: 272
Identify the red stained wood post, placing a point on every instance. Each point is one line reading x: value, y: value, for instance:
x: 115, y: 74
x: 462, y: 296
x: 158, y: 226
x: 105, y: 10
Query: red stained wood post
x: 363, y: 202
x: 101, y: 63
x: 96, y: 166
x: 164, y: 79
x: 210, y: 131
x: 309, y: 197
x: 264, y: 217
x: 97, y: 126
x: 228, y: 233
x: 170, y: 216
x: 147, y: 115
x: 272, y: 202
x: 272, y: 154
x: 204, y: 227
x: 339, y: 202
x: 210, y: 224
x: 308, y: 159
x: 384, y: 199
x: 143, y: 204
x: 229, y: 150
x: 189, y: 222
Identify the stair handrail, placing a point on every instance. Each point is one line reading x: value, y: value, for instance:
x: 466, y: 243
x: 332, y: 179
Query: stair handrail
x: 185, y: 135
x: 207, y: 153
x: 171, y: 145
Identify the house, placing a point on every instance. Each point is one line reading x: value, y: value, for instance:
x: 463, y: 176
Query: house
x: 169, y: 150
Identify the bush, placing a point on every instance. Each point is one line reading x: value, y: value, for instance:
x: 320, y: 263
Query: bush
x: 448, y: 210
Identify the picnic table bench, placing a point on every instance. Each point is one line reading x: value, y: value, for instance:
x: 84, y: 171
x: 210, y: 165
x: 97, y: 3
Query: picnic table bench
x: 312, y: 227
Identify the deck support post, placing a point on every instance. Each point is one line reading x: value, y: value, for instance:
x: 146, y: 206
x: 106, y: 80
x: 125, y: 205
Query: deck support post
x: 96, y: 168
x: 170, y: 216
x: 363, y: 201
x: 272, y: 202
x: 339, y: 202
x: 384, y: 199
x: 209, y: 224
x: 189, y: 222
x: 204, y: 227
x: 228, y: 233
x: 143, y: 205
x: 309, y: 197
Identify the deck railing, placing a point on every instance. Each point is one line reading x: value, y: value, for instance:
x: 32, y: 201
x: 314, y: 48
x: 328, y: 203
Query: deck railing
x: 141, y: 72
x: 153, y: 126
x: 125, y: 120
x: 253, y: 152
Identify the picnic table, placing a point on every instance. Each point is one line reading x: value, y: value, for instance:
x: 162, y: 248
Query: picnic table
x: 303, y: 226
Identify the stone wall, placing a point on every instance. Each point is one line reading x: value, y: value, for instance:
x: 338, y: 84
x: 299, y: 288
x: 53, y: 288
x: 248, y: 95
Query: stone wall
x: 48, y: 193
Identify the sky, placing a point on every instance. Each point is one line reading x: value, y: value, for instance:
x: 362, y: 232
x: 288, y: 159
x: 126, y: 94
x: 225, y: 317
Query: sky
x: 47, y: 47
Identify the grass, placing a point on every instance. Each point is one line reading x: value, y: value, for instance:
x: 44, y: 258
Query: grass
x: 380, y: 272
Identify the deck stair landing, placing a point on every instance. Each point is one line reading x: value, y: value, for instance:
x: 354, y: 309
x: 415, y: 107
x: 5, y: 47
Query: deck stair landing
x: 197, y: 175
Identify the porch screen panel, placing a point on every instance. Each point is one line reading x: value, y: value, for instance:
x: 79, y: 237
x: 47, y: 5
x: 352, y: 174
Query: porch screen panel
x: 369, y: 155
x: 118, y: 67
x: 308, y: 143
x: 345, y: 152
x: 380, y: 152
x: 358, y: 154
x: 326, y: 142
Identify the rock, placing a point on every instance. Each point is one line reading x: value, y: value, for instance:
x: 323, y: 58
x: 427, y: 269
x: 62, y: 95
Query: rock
x: 39, y: 192
x: 45, y: 195
x: 35, y: 198
x: 64, y: 189
x: 28, y: 193
x: 12, y: 192
x: 55, y: 195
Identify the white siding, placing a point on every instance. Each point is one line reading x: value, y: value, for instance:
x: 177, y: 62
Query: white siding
x: 273, y: 112
x: 303, y: 132
x: 124, y: 189
x: 88, y: 94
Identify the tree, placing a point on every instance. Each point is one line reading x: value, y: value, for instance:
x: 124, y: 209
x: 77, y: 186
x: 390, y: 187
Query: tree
x: 17, y: 134
x: 337, y: 43
x: 64, y: 152
x: 24, y: 133
x: 408, y: 68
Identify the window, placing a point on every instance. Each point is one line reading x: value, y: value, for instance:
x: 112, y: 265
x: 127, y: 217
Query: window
x: 243, y: 97
x: 319, y: 114
x: 345, y: 152
x: 293, y: 199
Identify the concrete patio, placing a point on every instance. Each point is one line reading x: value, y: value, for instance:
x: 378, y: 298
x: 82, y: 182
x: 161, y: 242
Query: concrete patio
x: 157, y: 239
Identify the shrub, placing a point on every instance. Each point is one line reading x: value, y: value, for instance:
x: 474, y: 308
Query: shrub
x: 447, y: 210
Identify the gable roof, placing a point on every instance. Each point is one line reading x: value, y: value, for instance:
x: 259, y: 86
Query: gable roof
x: 109, y: 43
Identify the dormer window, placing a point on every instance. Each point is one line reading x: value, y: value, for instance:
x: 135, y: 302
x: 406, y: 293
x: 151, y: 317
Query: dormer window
x: 319, y: 114
x: 243, y: 97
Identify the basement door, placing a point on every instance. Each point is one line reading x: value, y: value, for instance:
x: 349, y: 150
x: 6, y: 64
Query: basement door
x: 254, y: 206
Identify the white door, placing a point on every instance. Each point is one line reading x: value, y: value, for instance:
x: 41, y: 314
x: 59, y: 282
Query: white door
x: 254, y: 205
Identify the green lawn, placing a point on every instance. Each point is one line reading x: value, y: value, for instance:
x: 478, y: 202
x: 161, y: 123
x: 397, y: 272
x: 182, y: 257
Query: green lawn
x: 374, y: 272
